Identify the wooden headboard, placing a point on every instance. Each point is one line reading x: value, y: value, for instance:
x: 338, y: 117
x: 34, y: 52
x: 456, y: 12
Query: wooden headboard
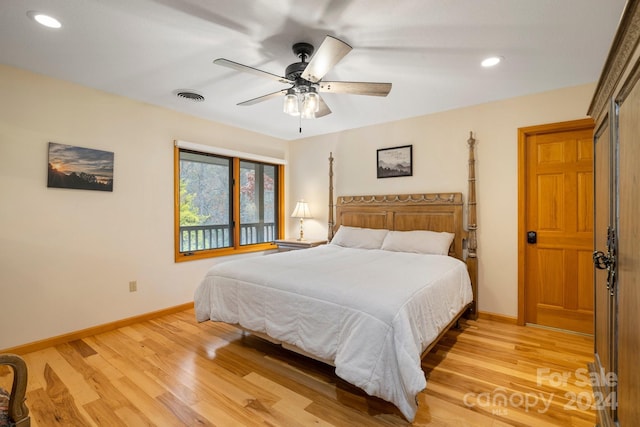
x: 403, y: 212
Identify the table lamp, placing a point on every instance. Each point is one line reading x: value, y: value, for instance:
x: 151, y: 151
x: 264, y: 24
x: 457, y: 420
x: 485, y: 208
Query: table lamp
x: 301, y: 211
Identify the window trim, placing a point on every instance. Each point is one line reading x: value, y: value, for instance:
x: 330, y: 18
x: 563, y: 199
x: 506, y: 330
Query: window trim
x: 225, y: 152
x: 236, y: 248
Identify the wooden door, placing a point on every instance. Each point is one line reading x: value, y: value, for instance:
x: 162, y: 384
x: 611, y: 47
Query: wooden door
x: 556, y: 226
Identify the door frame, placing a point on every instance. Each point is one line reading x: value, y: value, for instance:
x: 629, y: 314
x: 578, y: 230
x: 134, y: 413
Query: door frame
x: 523, y: 134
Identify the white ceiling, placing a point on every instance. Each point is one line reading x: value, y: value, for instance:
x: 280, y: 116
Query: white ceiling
x: 429, y: 49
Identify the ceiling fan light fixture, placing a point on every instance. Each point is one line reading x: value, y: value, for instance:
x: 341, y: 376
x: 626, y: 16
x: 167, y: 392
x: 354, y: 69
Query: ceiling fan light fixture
x: 311, y: 102
x: 291, y: 103
x: 308, y: 114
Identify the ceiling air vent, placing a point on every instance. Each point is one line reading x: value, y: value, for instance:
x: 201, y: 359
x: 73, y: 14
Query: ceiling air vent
x: 190, y: 95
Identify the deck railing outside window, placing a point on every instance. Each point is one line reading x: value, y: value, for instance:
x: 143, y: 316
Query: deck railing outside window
x: 201, y: 237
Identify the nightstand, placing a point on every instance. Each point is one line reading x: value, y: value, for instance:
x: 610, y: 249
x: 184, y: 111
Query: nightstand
x: 294, y: 244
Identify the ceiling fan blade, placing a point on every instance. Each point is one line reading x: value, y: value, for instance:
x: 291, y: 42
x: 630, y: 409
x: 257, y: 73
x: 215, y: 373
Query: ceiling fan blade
x: 239, y: 67
x: 323, y: 110
x: 264, y: 97
x: 330, y: 52
x: 356, y: 88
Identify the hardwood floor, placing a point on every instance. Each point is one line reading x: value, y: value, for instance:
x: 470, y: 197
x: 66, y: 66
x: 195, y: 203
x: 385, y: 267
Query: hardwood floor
x: 172, y: 371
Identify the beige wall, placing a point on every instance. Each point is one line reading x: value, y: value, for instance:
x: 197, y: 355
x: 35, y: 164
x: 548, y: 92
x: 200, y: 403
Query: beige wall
x: 67, y: 256
x: 440, y: 164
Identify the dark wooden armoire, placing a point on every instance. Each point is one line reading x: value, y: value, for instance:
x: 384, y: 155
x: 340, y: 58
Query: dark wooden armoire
x: 616, y: 110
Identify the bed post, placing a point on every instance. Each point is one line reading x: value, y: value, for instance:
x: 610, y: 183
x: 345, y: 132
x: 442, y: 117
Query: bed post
x: 472, y: 242
x: 331, y: 222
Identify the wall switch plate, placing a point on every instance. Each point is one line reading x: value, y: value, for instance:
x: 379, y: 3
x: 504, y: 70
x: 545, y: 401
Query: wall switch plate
x: 133, y: 286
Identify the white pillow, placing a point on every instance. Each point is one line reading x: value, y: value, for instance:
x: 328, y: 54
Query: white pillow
x: 356, y: 237
x: 418, y: 241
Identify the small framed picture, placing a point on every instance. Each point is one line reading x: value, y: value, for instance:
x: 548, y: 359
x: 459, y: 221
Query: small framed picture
x: 395, y: 161
x: 80, y: 168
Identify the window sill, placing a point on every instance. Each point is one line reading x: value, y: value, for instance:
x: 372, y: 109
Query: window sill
x: 214, y: 253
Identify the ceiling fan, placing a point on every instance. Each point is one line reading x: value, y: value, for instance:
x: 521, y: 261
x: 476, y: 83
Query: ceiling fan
x: 302, y: 98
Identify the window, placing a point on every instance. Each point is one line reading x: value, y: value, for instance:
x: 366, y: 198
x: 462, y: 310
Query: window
x: 225, y: 204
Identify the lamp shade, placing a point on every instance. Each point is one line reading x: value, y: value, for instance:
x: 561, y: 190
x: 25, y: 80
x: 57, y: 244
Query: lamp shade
x: 311, y: 101
x: 301, y: 210
x: 307, y: 114
x: 291, y: 103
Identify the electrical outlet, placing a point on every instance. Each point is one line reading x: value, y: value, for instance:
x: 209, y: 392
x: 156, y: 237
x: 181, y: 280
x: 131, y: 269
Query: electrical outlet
x: 133, y: 286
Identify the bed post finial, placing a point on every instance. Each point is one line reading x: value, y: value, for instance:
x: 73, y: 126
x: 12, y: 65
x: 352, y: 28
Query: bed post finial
x: 331, y: 222
x: 472, y: 242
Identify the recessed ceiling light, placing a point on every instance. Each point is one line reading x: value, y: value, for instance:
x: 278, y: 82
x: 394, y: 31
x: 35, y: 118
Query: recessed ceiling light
x: 43, y: 19
x: 491, y: 61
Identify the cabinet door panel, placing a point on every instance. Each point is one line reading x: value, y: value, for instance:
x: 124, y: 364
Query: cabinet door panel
x: 602, y: 223
x: 628, y: 287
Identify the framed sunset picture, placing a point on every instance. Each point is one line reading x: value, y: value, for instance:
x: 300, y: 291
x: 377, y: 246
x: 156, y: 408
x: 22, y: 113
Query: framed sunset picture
x: 79, y: 168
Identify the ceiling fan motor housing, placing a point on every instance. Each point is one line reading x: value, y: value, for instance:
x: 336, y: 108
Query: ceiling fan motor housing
x: 295, y: 70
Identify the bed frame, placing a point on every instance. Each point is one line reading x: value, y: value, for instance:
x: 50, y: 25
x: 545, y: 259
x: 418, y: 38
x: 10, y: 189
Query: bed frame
x: 402, y: 212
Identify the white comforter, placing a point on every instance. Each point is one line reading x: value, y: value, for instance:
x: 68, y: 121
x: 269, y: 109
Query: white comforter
x: 372, y: 312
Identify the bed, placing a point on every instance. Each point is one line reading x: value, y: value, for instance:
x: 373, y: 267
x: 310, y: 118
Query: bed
x: 398, y: 272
